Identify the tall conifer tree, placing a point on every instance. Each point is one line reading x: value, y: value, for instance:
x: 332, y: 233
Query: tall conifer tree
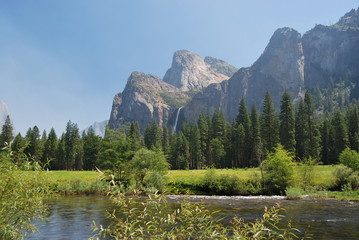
x: 243, y: 118
x: 312, y: 141
x: 269, y: 124
x: 287, y: 123
x: 6, y: 133
x: 256, y: 141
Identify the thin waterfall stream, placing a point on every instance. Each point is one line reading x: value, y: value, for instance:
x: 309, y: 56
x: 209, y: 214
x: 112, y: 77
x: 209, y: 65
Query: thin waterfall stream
x: 175, y: 125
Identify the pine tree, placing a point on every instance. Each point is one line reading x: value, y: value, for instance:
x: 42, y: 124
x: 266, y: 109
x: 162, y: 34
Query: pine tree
x: 33, y: 148
x: 217, y: 153
x: 256, y: 141
x: 166, y: 141
x: 340, y: 133
x: 287, y: 123
x: 312, y: 141
x: 50, y: 146
x: 179, y: 152
x: 353, y: 128
x: 60, y: 163
x: 204, y: 126
x: 6, y: 133
x: 18, y: 144
x: 134, y: 137
x: 237, y: 139
x: 269, y: 124
x: 243, y: 118
x: 91, y: 148
x: 218, y: 125
x: 73, y: 150
x: 300, y: 129
x: 327, y: 143
x: 153, y: 137
x: 195, y: 147
x: 17, y: 147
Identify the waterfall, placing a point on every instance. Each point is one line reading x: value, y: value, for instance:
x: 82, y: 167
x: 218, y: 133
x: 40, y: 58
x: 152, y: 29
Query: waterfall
x: 175, y: 126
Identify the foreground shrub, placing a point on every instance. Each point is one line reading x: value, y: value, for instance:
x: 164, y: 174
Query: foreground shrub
x: 346, y: 178
x: 21, y: 198
x: 152, y: 220
x: 148, y: 169
x: 226, y: 184
x: 350, y: 158
x: 279, y: 170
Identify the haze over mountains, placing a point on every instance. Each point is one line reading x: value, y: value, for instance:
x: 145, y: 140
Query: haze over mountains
x: 324, y: 57
x: 4, y: 112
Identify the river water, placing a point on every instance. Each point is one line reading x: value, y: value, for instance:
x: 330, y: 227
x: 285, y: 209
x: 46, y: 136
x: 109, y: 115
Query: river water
x: 71, y: 217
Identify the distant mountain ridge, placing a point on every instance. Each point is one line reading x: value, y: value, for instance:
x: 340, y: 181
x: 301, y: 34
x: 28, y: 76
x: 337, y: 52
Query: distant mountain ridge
x: 98, y: 127
x: 147, y: 98
x: 323, y: 57
x: 4, y: 112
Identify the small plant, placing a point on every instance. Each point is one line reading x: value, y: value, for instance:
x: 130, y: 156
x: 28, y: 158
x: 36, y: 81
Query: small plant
x: 152, y: 220
x: 294, y: 192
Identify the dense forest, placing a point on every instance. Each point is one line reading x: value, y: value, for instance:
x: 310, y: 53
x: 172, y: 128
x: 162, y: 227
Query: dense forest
x: 210, y: 142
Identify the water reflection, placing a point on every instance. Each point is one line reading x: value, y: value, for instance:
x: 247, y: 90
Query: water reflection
x: 71, y: 217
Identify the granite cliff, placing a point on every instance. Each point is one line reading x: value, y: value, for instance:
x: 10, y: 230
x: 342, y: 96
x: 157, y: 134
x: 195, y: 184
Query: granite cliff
x: 321, y: 58
x: 147, y: 98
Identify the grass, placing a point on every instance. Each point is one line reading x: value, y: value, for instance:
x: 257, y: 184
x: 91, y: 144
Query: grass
x: 322, y: 175
x: 88, y: 182
x: 76, y: 182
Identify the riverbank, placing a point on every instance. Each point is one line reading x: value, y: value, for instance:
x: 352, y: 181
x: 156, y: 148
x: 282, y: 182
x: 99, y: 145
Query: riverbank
x: 233, y: 182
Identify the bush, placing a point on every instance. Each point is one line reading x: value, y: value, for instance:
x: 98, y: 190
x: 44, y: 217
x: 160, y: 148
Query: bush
x: 279, y: 170
x: 350, y: 158
x: 294, y: 192
x: 346, y: 178
x: 21, y: 197
x: 148, y: 169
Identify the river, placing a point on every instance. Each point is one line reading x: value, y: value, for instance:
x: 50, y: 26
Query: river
x: 71, y: 217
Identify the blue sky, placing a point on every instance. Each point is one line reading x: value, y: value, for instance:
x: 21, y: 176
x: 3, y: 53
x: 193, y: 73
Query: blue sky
x: 65, y: 60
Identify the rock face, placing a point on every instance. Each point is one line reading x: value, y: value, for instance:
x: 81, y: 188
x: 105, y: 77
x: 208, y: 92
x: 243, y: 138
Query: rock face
x: 189, y: 72
x: 279, y: 68
x: 146, y: 98
x: 332, y: 52
x: 324, y: 55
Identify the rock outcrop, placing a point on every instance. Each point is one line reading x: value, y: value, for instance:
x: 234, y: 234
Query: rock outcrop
x: 322, y: 57
x: 146, y: 98
x: 332, y: 52
x: 279, y: 68
x: 189, y: 72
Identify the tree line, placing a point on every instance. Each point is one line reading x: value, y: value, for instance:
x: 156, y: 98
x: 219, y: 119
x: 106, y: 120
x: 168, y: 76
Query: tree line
x: 209, y: 142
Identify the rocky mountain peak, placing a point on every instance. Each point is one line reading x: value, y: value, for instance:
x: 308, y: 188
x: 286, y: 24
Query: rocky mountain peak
x: 350, y: 19
x: 190, y: 72
x: 146, y: 98
x: 279, y: 68
x: 221, y: 66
